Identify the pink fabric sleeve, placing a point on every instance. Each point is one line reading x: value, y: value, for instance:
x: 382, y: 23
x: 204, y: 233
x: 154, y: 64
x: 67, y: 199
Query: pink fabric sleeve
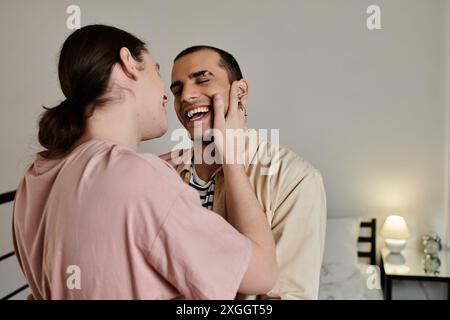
x: 199, y: 252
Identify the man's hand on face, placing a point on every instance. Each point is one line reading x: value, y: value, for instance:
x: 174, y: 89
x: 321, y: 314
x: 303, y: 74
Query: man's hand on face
x: 231, y: 127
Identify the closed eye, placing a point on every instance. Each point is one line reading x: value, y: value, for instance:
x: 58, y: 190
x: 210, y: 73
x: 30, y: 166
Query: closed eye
x: 176, y: 90
x: 202, y: 81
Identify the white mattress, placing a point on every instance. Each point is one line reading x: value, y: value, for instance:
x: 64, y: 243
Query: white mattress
x: 350, y: 284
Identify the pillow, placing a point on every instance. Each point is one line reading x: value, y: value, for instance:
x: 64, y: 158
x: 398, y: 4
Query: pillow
x: 341, y: 242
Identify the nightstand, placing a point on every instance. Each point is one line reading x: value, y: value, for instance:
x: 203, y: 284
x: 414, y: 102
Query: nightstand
x: 409, y: 266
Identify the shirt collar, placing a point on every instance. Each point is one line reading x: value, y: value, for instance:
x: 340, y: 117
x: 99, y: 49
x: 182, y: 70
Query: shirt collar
x: 252, y: 143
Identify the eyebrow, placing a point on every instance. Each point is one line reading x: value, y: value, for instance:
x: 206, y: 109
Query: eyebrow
x: 197, y: 74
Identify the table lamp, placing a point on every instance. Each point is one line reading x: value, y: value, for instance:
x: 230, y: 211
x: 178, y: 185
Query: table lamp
x: 395, y: 232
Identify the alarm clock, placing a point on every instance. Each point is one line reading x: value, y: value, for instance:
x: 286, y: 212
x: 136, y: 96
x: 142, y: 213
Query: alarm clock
x: 431, y: 264
x: 431, y: 243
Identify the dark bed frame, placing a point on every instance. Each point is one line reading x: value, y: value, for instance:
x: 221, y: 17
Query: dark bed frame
x: 5, y: 198
x: 371, y: 254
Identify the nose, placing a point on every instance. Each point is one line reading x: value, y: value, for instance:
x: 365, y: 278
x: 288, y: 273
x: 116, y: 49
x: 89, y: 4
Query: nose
x: 188, y: 94
x: 165, y: 98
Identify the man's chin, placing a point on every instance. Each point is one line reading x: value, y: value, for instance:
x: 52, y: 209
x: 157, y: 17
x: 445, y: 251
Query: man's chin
x: 204, y: 134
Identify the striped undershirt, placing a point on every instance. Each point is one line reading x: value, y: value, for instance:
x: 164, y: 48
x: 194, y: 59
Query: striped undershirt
x: 204, y: 189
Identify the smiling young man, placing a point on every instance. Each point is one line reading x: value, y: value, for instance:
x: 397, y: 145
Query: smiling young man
x: 292, y: 195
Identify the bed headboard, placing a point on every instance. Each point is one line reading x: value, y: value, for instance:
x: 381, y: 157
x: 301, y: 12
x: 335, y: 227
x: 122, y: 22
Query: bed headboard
x: 371, y: 254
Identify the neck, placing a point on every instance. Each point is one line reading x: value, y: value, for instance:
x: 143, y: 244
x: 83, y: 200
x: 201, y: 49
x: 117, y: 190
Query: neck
x: 115, y: 123
x: 204, y: 170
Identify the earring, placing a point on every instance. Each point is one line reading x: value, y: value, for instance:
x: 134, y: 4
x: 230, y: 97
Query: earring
x: 243, y: 107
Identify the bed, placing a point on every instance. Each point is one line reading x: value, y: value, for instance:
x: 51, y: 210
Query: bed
x: 349, y: 270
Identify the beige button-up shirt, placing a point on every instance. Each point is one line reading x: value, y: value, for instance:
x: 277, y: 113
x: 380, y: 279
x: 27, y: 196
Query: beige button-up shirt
x: 291, y: 193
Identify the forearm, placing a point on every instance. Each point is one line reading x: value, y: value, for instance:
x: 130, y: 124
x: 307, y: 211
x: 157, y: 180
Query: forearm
x: 244, y: 211
x: 246, y: 215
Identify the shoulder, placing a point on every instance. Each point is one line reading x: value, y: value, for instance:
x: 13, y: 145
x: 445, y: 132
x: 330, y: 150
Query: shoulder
x: 142, y: 174
x: 298, y: 180
x: 168, y: 158
x: 147, y: 163
x: 179, y: 159
x: 286, y: 164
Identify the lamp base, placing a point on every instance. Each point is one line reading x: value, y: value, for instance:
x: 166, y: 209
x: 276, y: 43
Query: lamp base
x: 395, y: 246
x: 396, y: 259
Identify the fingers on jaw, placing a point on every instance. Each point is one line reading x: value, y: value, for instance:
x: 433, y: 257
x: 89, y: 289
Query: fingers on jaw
x: 234, y: 96
x: 218, y: 100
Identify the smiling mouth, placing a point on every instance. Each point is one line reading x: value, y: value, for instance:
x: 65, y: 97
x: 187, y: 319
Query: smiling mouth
x: 197, y: 114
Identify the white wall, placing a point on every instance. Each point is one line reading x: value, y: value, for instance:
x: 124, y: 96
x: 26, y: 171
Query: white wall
x: 447, y: 86
x: 368, y: 108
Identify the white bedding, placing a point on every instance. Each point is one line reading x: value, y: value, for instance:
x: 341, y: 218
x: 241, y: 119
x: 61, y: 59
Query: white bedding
x: 347, y: 283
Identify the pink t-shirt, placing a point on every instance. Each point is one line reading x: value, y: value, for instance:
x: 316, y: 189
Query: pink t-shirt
x: 108, y: 223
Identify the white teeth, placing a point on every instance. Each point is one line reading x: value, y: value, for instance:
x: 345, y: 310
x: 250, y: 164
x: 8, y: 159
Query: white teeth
x: 197, y: 110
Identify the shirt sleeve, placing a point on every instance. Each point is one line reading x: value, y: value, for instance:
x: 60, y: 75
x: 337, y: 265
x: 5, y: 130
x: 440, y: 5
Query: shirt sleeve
x: 299, y: 229
x: 199, y: 252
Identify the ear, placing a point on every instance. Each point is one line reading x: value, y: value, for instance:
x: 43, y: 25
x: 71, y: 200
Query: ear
x: 242, y: 91
x: 129, y: 64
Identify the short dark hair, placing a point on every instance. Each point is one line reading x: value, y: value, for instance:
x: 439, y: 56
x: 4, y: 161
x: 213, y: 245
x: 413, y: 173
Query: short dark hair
x: 227, y: 61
